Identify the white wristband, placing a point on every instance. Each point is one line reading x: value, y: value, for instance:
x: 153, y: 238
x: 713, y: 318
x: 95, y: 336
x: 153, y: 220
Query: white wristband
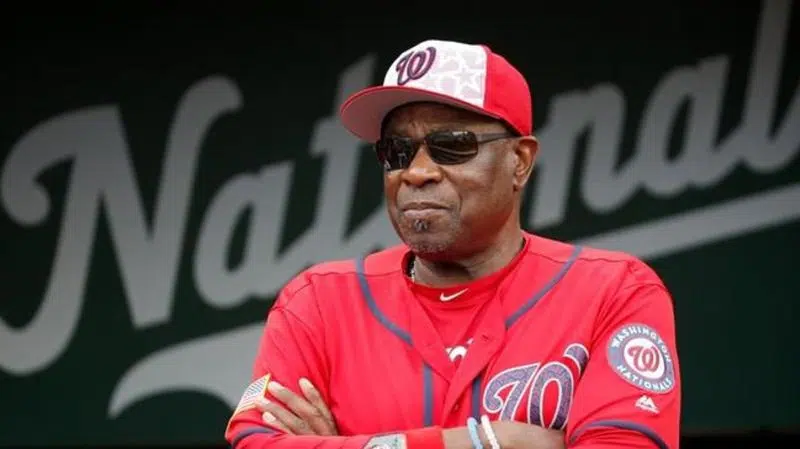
x: 490, y: 435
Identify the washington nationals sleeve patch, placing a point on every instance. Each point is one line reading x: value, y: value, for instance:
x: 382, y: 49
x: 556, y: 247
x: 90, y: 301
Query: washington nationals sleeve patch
x: 641, y: 357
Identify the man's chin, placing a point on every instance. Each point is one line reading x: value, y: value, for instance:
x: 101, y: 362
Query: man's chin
x: 429, y: 239
x: 431, y: 246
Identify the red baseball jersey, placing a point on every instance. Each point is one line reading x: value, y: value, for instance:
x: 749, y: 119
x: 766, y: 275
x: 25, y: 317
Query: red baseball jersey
x: 564, y: 337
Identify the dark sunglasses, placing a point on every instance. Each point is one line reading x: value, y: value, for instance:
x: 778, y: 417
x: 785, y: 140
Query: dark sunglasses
x: 444, y: 148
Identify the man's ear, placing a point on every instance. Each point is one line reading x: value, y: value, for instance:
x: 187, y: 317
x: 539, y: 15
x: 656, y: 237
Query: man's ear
x: 526, y: 150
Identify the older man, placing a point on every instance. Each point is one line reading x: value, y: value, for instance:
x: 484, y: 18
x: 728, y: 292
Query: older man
x: 473, y: 333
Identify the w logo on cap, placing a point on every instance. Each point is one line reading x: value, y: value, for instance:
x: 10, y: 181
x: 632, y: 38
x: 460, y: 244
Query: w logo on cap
x: 414, y: 65
x: 447, y: 68
x: 460, y: 75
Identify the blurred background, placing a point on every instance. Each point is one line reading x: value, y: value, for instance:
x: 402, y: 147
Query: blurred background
x: 164, y: 170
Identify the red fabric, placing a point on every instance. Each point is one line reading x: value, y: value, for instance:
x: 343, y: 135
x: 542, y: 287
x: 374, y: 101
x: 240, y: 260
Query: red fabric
x: 456, y: 320
x: 552, y: 346
x: 427, y: 438
x: 609, y: 411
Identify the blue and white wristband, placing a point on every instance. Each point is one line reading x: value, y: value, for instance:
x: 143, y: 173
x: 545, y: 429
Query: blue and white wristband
x: 472, y: 426
x: 489, y: 431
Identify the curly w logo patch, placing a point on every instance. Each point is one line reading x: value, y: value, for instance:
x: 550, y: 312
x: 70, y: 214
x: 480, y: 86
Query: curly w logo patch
x: 540, y: 394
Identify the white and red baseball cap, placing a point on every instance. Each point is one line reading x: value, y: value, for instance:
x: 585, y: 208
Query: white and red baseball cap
x: 471, y: 77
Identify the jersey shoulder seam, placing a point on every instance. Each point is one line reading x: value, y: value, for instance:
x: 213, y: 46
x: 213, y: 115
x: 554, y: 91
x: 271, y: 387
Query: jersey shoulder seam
x: 626, y: 259
x: 306, y: 279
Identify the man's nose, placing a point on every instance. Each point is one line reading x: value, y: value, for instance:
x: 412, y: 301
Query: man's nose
x: 422, y: 169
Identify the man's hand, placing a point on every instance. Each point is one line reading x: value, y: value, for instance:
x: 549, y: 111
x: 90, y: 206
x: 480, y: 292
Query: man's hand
x: 308, y: 415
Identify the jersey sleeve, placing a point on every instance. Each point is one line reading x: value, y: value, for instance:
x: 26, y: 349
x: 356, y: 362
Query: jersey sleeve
x: 630, y: 392
x: 290, y: 348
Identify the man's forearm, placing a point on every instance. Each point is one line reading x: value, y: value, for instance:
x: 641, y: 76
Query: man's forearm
x: 261, y: 440
x: 458, y: 438
x: 427, y: 438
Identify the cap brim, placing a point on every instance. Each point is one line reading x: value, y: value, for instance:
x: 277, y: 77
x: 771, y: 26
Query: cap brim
x: 363, y: 113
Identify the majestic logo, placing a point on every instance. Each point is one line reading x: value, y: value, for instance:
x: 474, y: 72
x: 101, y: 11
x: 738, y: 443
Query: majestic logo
x: 640, y: 356
x: 414, y: 65
x: 647, y: 404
